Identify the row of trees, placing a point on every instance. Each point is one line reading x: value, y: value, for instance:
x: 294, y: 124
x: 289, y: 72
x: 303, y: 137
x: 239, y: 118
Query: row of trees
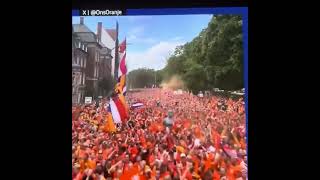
x: 143, y: 77
x: 213, y: 59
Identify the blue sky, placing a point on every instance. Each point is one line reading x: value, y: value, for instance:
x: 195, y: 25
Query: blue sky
x: 151, y: 39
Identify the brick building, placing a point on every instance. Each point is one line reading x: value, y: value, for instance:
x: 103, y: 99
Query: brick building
x: 80, y: 56
x: 93, y: 48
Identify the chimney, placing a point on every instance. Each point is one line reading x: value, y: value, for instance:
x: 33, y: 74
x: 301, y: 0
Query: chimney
x: 81, y: 20
x: 99, y: 29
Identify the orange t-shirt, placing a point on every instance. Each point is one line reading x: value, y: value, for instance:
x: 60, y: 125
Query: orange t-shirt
x: 82, y: 166
x: 216, y: 175
x: 81, y: 153
x: 243, y: 143
x: 232, y: 171
x: 197, y: 132
x: 142, y: 177
x: 91, y: 164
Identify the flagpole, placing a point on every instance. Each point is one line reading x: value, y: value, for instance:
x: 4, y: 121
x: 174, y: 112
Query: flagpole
x: 117, y: 52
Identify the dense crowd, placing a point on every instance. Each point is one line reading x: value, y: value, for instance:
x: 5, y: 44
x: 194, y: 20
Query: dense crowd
x: 206, y: 140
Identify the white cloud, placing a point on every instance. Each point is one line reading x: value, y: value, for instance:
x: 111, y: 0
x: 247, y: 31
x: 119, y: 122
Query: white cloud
x: 154, y: 57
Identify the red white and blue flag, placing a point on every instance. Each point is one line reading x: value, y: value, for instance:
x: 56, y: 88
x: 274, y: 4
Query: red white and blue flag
x: 137, y: 105
x: 118, y: 110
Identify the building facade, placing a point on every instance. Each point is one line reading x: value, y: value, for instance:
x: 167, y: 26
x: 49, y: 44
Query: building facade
x: 78, y: 56
x: 80, y: 59
x: 93, y: 54
x: 91, y: 64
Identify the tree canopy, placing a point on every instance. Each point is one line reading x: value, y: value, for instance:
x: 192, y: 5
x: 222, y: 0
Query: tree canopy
x: 143, y: 77
x: 212, y: 59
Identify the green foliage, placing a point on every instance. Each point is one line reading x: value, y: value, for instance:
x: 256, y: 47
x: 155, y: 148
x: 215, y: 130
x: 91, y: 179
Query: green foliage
x: 106, y: 85
x: 212, y: 59
x: 140, y: 78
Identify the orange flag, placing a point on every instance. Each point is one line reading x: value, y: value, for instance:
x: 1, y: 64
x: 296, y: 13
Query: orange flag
x: 122, y: 81
x: 109, y: 126
x: 123, y: 101
x: 121, y: 84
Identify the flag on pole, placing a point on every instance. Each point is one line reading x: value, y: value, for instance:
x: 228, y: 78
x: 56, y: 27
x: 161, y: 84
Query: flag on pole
x: 115, y: 112
x: 118, y: 110
x: 123, y: 101
x: 122, y: 54
x: 109, y: 125
x: 122, y: 71
x: 116, y: 52
x: 119, y: 107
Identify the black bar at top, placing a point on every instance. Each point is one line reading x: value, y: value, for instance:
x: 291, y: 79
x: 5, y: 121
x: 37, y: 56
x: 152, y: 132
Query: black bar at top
x: 142, y: 4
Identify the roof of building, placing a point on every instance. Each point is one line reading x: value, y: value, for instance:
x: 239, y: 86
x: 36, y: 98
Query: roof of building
x: 80, y: 28
x: 84, y: 33
x: 87, y: 37
x: 112, y: 33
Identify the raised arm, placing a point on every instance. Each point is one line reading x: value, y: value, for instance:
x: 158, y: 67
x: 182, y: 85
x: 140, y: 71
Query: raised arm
x: 114, y: 166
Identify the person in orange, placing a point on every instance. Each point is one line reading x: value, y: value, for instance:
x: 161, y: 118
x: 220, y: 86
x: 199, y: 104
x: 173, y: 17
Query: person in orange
x: 233, y: 170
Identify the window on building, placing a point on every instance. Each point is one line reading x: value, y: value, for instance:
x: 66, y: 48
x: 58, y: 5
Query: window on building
x: 97, y: 71
x: 82, y: 61
x: 84, y: 78
x: 78, y: 59
x: 79, y: 44
x: 98, y: 56
x: 79, y: 81
x: 85, y: 62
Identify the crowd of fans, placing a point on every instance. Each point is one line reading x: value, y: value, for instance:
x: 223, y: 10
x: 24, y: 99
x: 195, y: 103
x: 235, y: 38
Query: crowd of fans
x: 206, y: 139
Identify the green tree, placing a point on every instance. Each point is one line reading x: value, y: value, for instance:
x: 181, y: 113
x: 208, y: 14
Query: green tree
x: 106, y: 85
x: 212, y: 59
x: 143, y: 77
